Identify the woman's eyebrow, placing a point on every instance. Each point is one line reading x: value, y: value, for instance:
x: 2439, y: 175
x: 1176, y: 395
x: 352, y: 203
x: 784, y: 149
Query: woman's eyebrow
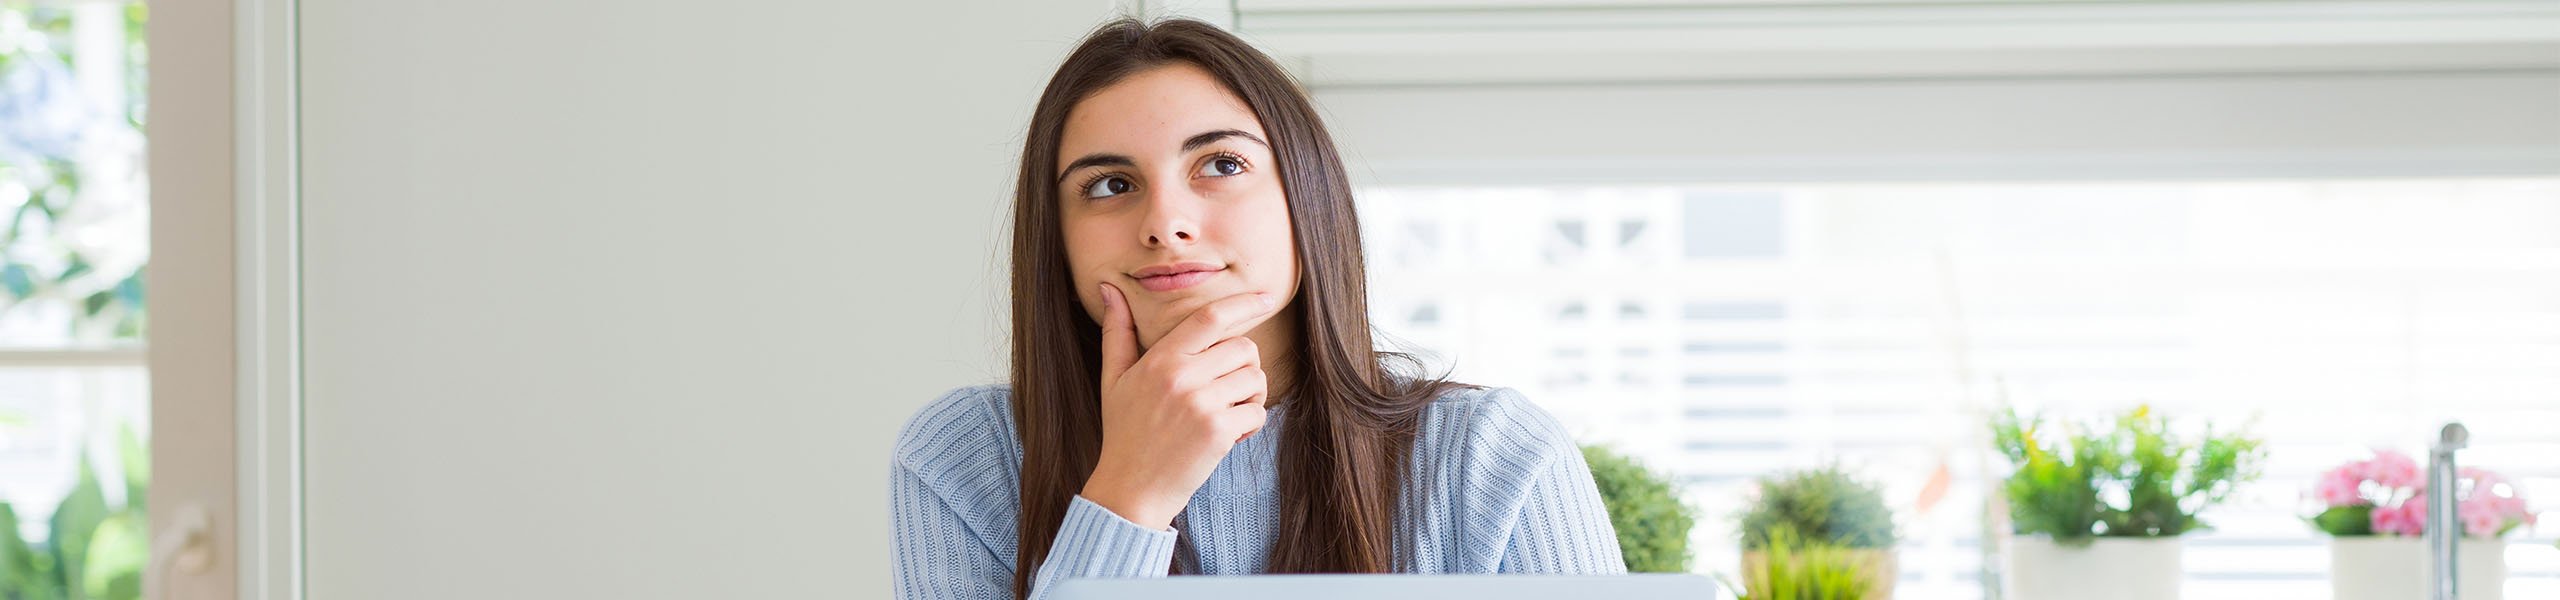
x: 1206, y: 138
x: 1095, y: 160
x: 1188, y: 145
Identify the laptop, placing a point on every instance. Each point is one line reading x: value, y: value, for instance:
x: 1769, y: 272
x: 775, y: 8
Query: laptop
x: 1392, y: 587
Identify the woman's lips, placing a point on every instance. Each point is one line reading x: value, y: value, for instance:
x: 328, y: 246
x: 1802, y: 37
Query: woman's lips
x: 1167, y: 283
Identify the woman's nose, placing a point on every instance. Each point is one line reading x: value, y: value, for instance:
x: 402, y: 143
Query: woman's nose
x: 1171, y: 219
x: 1159, y: 240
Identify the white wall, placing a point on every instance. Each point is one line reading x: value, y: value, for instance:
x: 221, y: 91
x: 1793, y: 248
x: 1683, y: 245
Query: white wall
x: 626, y: 299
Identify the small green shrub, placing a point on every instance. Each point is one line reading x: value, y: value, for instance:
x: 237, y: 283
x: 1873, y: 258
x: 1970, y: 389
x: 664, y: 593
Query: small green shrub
x: 1825, y: 505
x: 1653, y: 525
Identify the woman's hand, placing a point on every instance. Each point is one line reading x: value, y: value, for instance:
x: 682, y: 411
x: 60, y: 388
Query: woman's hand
x: 1170, y: 415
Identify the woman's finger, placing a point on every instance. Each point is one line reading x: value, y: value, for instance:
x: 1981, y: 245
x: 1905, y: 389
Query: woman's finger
x: 1221, y: 359
x: 1246, y: 385
x: 1119, y: 334
x: 1227, y: 317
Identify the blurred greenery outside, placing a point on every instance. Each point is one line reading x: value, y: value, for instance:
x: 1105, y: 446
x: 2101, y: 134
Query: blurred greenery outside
x: 74, y: 242
x: 69, y: 246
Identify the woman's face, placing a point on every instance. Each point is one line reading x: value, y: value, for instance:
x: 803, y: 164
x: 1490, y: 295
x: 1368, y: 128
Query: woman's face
x: 1168, y: 191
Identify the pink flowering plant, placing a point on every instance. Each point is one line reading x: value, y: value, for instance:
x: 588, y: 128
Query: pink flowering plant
x: 2386, y: 495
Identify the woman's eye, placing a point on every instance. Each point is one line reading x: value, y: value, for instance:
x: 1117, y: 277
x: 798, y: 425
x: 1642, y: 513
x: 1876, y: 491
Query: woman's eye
x: 1221, y: 167
x: 1107, y: 186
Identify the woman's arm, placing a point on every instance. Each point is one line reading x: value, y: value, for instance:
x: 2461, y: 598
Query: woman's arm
x: 1093, y: 542
x: 1564, y: 528
x: 952, y: 507
x: 1538, y: 510
x: 940, y: 558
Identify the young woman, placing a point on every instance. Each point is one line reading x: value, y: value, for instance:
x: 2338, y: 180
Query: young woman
x: 1193, y: 385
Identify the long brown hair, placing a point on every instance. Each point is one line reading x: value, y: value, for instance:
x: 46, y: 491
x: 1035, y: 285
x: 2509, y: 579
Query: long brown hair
x: 1350, y: 419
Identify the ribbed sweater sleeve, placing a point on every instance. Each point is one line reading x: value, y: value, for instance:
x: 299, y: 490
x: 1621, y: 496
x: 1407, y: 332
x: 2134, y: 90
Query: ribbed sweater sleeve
x: 952, y: 539
x: 1093, y: 542
x: 937, y: 556
x: 1530, y: 494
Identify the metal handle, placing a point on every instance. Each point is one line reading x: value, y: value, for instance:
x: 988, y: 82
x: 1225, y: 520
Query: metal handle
x: 185, y: 546
x: 2444, y: 527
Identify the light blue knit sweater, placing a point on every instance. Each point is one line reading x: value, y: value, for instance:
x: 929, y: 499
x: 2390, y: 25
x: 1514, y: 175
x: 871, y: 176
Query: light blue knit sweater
x: 1496, y: 486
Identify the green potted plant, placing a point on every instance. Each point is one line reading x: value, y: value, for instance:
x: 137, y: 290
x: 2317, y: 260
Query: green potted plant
x: 1800, y: 568
x: 2096, y: 512
x: 1653, y: 525
x: 1825, y: 506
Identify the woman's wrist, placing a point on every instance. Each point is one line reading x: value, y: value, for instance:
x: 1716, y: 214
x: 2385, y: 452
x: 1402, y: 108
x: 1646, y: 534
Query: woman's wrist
x: 1127, y: 502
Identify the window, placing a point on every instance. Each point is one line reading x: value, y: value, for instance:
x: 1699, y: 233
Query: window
x: 73, y: 242
x: 1763, y: 327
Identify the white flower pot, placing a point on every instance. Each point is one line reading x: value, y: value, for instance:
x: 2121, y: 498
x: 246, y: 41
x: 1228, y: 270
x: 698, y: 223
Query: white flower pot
x: 2394, y: 568
x: 2110, y: 569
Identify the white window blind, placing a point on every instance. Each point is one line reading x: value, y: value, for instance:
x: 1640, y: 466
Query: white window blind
x: 1720, y: 332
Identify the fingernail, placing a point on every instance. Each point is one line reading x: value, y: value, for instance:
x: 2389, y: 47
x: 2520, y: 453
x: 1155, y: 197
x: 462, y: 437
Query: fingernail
x: 1265, y: 298
x: 1103, y: 289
